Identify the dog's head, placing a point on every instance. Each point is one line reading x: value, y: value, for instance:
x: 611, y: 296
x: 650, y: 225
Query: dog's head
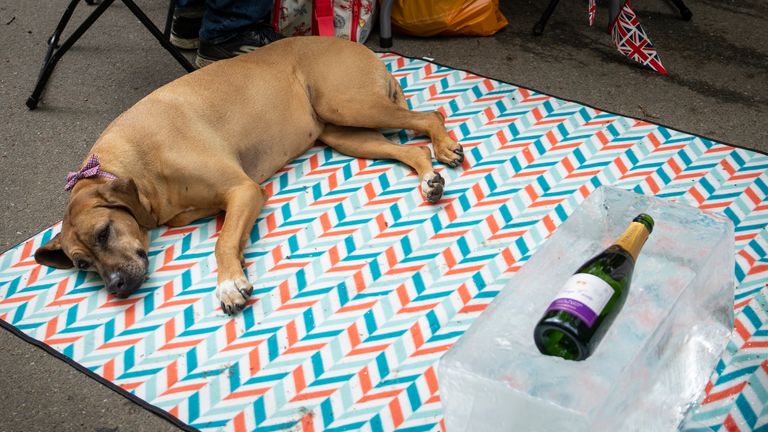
x: 104, y: 230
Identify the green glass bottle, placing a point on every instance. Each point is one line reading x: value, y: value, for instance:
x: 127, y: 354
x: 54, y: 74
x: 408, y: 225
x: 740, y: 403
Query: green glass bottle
x: 583, y: 310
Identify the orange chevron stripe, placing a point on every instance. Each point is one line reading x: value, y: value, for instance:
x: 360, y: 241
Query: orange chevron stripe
x: 432, y: 350
x: 418, y: 338
x: 730, y: 425
x: 712, y: 397
x: 132, y: 385
x: 741, y: 330
x: 304, y: 348
x: 758, y: 269
x: 286, y: 232
x: 756, y: 344
x: 29, y: 263
x: 353, y: 335
x: 183, y: 344
x: 298, y: 379
x: 247, y: 393
x: 313, y: 395
x: 243, y: 344
x: 357, y: 306
x: 430, y: 376
x: 172, y: 374
x: 365, y: 380
x: 179, y: 389
x: 50, y: 328
x: 396, y: 412
x: 18, y: 299
x: 696, y: 195
x: 297, y: 305
x: 27, y: 250
x: 108, y: 370
x: 467, y: 269
x: 33, y: 275
x: 406, y: 269
x: 381, y: 395
x: 473, y: 308
x: 368, y: 350
x: 419, y: 308
x: 307, y: 422
x: 62, y: 340
x: 752, y: 196
x: 124, y: 342
x: 238, y: 423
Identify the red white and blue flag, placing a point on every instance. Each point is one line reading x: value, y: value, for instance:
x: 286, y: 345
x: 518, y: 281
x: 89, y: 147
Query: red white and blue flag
x: 632, y: 41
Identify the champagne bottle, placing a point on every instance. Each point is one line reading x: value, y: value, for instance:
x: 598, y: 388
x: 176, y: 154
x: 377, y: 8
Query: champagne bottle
x: 583, y: 310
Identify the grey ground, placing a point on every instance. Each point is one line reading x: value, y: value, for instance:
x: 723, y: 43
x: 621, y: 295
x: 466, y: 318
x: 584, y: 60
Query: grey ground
x: 718, y: 88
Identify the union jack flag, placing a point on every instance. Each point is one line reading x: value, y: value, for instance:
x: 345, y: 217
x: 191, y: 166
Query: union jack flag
x: 591, y: 10
x: 632, y: 41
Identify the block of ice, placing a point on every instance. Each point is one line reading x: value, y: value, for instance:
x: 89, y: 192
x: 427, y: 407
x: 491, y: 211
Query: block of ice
x: 652, y: 364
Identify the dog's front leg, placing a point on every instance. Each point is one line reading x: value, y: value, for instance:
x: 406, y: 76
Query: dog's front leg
x: 242, y: 205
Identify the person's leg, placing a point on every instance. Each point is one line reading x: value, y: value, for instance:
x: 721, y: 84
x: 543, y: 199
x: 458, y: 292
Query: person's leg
x: 187, y: 19
x: 232, y: 27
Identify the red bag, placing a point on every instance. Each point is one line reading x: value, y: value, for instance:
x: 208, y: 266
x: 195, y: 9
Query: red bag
x: 347, y: 19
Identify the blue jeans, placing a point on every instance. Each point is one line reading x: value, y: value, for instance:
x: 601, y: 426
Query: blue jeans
x: 223, y: 19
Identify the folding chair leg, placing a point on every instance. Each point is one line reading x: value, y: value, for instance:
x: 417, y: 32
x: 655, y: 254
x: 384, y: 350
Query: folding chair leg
x: 164, y: 41
x: 685, y: 13
x: 385, y: 24
x: 538, y: 28
x: 54, y: 53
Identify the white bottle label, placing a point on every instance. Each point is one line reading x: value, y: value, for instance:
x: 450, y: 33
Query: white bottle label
x: 583, y: 295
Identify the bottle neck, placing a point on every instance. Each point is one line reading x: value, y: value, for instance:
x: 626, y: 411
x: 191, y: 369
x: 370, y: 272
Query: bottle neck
x: 633, y: 239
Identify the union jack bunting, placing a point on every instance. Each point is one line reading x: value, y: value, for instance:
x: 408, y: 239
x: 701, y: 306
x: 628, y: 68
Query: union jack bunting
x: 360, y: 286
x: 631, y: 40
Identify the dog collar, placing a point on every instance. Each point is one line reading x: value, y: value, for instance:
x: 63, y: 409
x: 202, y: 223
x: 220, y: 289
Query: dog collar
x: 92, y: 168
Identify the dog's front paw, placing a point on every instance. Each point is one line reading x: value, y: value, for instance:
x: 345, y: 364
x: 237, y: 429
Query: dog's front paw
x: 449, y: 152
x: 233, y: 294
x: 432, y: 185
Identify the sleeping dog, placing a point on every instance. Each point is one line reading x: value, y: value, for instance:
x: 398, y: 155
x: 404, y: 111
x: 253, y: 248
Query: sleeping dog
x: 201, y: 145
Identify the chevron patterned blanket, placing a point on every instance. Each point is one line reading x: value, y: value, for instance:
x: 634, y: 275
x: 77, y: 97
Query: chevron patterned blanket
x: 360, y: 286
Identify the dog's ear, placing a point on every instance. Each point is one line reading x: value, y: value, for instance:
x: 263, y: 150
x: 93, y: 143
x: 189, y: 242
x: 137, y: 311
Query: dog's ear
x: 51, y: 254
x: 124, y: 194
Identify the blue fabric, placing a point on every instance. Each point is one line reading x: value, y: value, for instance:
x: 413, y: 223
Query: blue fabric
x: 223, y: 19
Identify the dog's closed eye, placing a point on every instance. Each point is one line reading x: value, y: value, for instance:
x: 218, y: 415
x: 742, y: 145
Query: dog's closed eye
x: 103, y: 236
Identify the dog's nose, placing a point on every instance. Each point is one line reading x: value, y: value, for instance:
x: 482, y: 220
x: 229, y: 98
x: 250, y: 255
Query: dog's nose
x: 120, y: 285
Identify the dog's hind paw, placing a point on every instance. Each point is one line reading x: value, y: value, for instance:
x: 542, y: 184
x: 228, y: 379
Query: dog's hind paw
x: 234, y: 295
x: 432, y: 185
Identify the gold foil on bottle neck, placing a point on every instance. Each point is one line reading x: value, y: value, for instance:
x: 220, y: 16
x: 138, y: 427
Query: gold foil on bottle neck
x: 633, y: 239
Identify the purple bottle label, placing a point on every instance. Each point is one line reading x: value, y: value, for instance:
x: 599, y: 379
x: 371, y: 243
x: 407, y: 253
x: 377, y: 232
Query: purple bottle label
x: 583, y: 295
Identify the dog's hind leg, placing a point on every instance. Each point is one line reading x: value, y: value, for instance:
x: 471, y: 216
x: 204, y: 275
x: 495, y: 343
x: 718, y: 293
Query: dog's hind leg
x: 374, y: 111
x: 370, y: 144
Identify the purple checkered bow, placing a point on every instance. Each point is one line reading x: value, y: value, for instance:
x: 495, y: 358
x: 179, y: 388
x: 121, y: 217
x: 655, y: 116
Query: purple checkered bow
x: 92, y: 168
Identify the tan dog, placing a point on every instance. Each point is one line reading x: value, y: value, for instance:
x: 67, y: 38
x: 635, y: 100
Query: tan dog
x: 201, y: 145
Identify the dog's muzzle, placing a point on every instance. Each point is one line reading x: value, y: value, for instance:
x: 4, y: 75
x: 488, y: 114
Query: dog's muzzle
x: 123, y: 284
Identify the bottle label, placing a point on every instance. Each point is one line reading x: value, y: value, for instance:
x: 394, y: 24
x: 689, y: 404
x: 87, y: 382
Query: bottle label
x: 583, y: 295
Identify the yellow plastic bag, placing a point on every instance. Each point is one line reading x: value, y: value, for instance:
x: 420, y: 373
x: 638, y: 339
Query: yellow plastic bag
x: 447, y: 17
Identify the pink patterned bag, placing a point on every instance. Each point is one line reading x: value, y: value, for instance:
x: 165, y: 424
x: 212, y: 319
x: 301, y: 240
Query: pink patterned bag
x: 347, y: 19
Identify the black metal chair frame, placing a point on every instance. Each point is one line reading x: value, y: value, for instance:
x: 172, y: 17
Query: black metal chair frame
x: 55, y: 52
x: 538, y: 28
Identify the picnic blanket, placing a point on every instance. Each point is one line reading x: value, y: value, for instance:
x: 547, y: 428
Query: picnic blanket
x: 360, y: 286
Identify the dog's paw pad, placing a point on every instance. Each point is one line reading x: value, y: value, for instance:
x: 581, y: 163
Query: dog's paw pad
x: 233, y: 295
x: 432, y: 185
